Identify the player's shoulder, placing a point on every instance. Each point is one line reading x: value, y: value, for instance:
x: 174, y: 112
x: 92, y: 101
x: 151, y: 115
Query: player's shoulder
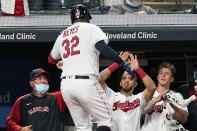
x: 89, y: 25
x: 93, y: 25
x: 117, y: 96
x: 176, y: 94
x: 138, y: 94
x: 109, y: 90
x: 23, y: 98
x: 56, y: 94
x: 62, y: 32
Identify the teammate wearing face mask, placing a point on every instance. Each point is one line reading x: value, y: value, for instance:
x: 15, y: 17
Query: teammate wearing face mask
x: 39, y: 110
x: 131, y: 7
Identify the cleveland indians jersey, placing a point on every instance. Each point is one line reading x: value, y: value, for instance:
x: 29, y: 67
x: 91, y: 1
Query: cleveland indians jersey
x: 76, y: 47
x: 126, y: 111
x: 154, y: 119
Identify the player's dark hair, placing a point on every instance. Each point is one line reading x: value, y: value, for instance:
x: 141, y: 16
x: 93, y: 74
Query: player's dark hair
x: 134, y: 77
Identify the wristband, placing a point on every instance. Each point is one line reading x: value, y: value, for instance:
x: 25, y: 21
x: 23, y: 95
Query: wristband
x: 140, y: 73
x: 128, y: 69
x: 113, y: 67
x: 51, y: 60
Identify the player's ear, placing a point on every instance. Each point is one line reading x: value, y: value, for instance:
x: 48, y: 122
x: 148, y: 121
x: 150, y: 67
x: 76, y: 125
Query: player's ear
x: 172, y: 79
x: 136, y: 84
x: 31, y: 83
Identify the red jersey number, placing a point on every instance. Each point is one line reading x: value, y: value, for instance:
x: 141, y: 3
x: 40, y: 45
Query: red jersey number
x: 70, y: 50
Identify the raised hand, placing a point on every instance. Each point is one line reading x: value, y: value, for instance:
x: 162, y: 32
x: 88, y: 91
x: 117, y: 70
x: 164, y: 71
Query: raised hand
x: 133, y: 61
x: 128, y: 67
x: 124, y: 55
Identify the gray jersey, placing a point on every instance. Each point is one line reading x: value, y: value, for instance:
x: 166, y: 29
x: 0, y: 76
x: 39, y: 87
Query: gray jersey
x: 126, y: 9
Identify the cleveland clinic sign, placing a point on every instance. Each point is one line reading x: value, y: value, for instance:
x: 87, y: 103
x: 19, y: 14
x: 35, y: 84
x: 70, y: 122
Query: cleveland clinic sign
x: 118, y: 34
x: 18, y: 36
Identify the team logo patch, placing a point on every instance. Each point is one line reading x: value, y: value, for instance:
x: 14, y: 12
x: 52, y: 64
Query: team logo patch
x: 156, y: 108
x: 77, y: 13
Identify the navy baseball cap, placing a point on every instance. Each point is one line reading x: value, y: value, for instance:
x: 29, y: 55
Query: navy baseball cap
x: 36, y: 72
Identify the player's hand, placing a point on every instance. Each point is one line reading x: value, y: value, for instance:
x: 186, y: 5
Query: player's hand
x: 160, y: 97
x: 142, y: 13
x: 163, y: 92
x: 166, y: 101
x: 147, y: 108
x: 133, y: 61
x: 124, y: 55
x: 26, y: 128
x: 59, y: 65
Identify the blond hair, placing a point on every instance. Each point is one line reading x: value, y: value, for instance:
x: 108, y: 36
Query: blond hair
x: 169, y: 66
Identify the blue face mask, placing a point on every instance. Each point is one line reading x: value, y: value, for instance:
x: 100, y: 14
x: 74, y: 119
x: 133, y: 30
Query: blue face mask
x: 133, y: 4
x: 41, y: 88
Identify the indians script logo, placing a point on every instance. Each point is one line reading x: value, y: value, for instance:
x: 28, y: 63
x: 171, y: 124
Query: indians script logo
x: 126, y: 106
x: 156, y: 108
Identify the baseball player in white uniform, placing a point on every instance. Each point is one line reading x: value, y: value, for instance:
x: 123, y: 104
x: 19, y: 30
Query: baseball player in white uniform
x: 79, y: 47
x: 158, y: 117
x: 126, y: 107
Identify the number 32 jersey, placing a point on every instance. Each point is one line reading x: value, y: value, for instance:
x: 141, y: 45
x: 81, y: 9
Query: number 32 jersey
x: 76, y: 47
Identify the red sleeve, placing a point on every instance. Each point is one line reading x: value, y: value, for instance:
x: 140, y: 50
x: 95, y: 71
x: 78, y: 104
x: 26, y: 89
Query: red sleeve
x: 60, y: 100
x: 14, y: 118
x: 51, y: 60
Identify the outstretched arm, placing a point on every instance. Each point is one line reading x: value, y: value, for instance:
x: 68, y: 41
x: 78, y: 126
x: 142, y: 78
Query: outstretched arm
x: 109, y: 53
x: 105, y: 74
x: 148, y: 82
x: 55, y: 55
